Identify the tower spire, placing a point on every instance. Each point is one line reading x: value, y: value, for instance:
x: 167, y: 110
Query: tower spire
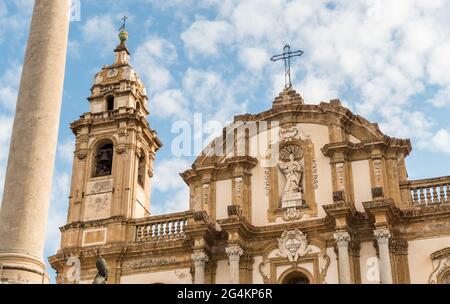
x: 123, y: 34
x: 122, y: 52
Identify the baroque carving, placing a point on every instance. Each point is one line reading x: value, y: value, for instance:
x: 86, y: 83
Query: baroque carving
x: 287, y: 134
x: 267, y: 181
x: 234, y: 252
x: 263, y: 272
x: 292, y: 214
x: 200, y: 258
x: 342, y: 238
x: 293, y: 244
x: 205, y: 193
x: 292, y: 165
x: 382, y: 235
x: 324, y: 263
x: 377, y: 168
x: 238, y: 184
x: 181, y: 274
x: 98, y: 202
x: 442, y: 258
x: 315, y: 170
x: 340, y: 174
x: 152, y: 262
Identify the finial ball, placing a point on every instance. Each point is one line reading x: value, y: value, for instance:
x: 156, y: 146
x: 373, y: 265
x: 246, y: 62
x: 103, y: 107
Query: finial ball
x: 123, y: 36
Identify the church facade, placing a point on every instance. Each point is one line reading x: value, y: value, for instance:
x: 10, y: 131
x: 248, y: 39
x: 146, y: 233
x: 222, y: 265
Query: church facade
x: 299, y: 193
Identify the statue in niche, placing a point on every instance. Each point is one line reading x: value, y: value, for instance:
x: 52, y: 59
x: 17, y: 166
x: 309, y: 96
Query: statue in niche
x: 292, y: 166
x: 293, y: 171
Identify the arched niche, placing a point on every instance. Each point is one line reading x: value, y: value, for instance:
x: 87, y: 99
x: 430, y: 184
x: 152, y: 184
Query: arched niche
x: 103, y: 158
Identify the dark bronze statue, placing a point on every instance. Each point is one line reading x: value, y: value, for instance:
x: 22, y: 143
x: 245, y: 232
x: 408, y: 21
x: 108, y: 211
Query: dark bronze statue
x: 102, y: 274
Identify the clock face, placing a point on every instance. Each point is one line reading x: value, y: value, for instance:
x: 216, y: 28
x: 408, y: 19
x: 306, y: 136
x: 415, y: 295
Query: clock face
x: 112, y: 73
x: 98, y: 79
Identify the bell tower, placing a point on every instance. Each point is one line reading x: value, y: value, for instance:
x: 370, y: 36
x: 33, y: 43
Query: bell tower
x: 115, y: 149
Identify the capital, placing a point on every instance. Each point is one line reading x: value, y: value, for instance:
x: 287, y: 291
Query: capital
x: 342, y: 238
x: 234, y: 252
x: 382, y: 235
x: 200, y: 258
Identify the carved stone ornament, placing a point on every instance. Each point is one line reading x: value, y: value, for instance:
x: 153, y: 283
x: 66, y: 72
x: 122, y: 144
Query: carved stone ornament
x: 315, y: 174
x: 234, y: 252
x: 293, y: 244
x: 147, y: 263
x: 99, y: 202
x: 238, y: 182
x: 324, y: 263
x: 200, y: 258
x: 205, y: 193
x: 263, y: 272
x: 82, y: 154
x: 292, y: 165
x: 287, y: 134
x: 181, y: 274
x: 377, y: 167
x: 382, y: 235
x: 342, y: 238
x: 292, y: 214
x: 267, y: 181
x: 340, y: 174
x: 441, y: 262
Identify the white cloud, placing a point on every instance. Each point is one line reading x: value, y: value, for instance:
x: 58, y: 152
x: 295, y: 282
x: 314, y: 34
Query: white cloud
x: 205, y: 37
x: 170, y: 103
x: 441, y: 98
x: 100, y: 31
x: 167, y: 181
x: 65, y: 150
x: 166, y: 174
x: 57, y: 216
x: 254, y: 59
x: 440, y: 142
x: 9, y: 86
x: 153, y: 57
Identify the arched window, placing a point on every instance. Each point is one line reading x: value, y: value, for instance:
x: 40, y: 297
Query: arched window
x: 141, y: 170
x: 103, y: 160
x: 296, y: 278
x: 110, y: 103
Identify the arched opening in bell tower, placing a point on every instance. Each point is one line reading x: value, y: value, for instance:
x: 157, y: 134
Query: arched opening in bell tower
x: 103, y: 159
x: 110, y: 103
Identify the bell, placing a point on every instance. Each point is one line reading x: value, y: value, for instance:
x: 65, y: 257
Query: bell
x: 104, y: 156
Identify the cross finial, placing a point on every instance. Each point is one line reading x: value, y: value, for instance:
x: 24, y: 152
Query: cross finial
x: 124, y: 19
x: 286, y: 56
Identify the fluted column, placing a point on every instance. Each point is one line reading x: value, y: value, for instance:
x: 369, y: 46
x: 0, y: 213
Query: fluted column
x: 200, y: 258
x: 234, y: 253
x: 382, y: 236
x: 27, y: 191
x: 342, y: 240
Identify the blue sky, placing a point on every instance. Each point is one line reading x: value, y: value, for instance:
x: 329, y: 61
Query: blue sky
x: 388, y: 61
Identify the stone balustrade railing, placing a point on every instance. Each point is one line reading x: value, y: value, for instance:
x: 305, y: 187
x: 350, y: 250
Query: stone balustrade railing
x: 428, y: 192
x: 164, y: 227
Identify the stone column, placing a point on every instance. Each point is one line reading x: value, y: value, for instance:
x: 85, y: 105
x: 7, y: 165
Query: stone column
x: 382, y: 236
x: 342, y: 239
x: 28, y: 182
x: 234, y: 253
x: 200, y: 258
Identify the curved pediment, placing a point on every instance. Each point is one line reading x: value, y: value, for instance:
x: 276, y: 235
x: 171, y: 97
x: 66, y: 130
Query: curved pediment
x: 346, y: 129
